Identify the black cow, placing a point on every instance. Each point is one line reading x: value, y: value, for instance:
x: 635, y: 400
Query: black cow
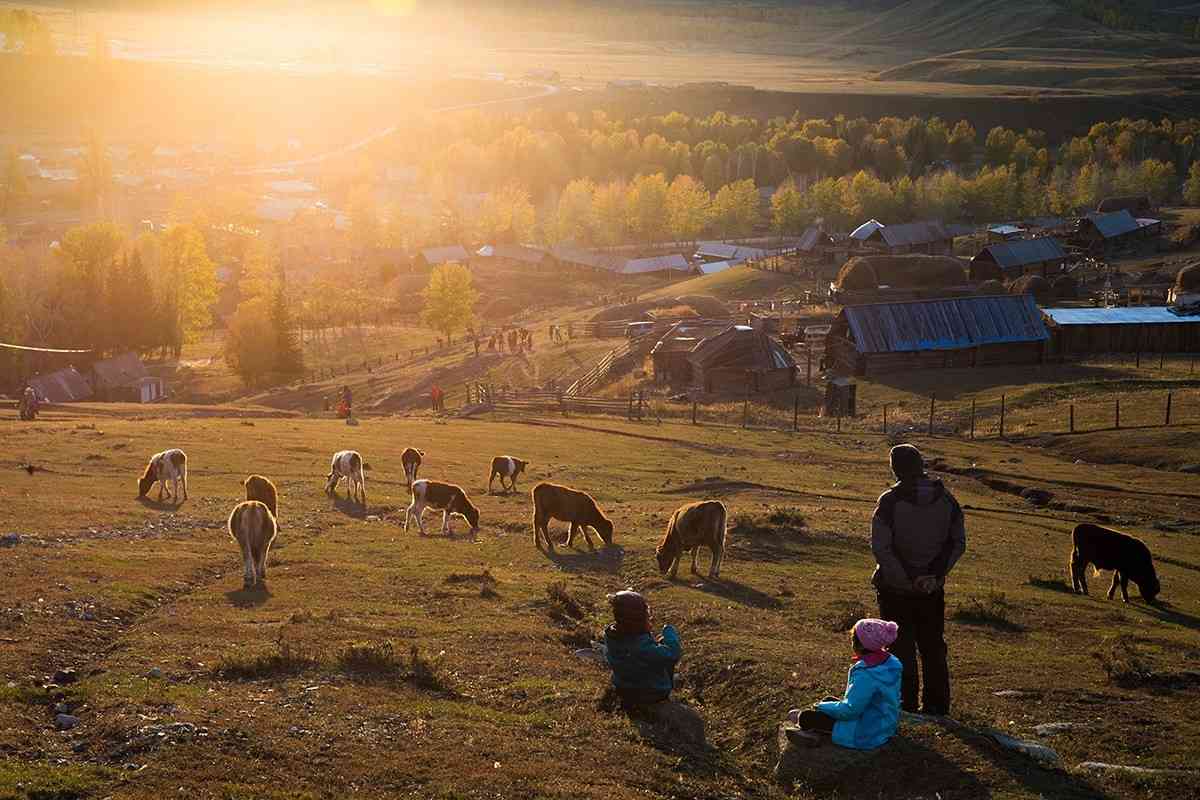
x: 1108, y: 549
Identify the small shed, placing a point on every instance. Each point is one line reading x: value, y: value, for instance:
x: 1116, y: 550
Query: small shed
x: 1145, y: 329
x: 741, y: 359
x: 713, y: 267
x: 1104, y: 231
x: 125, y: 378
x: 910, y: 237
x: 929, y: 334
x: 61, y: 386
x: 1010, y: 260
x: 514, y: 253
x: 435, y: 256
x: 724, y: 251
x: 671, y: 353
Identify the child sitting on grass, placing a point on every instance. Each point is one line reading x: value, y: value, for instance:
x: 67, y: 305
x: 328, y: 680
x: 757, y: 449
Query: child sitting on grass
x: 643, y: 665
x: 869, y: 713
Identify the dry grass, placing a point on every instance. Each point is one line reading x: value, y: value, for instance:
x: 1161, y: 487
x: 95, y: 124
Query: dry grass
x: 325, y: 656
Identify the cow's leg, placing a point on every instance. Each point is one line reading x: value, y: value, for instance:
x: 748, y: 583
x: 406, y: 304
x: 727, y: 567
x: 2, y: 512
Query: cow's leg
x: 184, y: 477
x: 175, y: 490
x: 248, y: 559
x: 1112, y: 590
x: 675, y: 565
x: 262, y: 565
x: 570, y: 535
x: 445, y: 522
x: 491, y: 478
x: 421, y: 519
x: 408, y: 513
x: 695, y: 555
x: 161, y: 486
x: 1124, y: 587
x: 587, y: 537
x: 718, y: 555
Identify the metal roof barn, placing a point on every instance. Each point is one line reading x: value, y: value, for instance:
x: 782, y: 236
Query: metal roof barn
x: 1010, y: 256
x: 945, y: 324
x: 637, y: 266
x: 444, y: 255
x: 1113, y: 224
x: 714, y: 267
x: 1136, y: 315
x: 1144, y: 329
x: 61, y: 386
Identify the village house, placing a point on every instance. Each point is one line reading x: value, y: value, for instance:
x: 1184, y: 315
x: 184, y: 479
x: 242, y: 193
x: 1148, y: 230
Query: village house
x: 740, y: 359
x: 931, y: 238
x: 125, y: 378
x: 1010, y: 260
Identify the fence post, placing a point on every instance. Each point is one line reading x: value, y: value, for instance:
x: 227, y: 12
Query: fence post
x: 1160, y: 359
x: 639, y: 410
x: 796, y: 413
x: 631, y: 405
x: 808, y: 371
x: 1071, y: 417
x: 1118, y: 413
x: 746, y: 408
x: 932, y: 400
x: 839, y: 418
x: 972, y: 417
x: 693, y: 412
x: 885, y: 406
x: 1002, y: 416
x: 1137, y: 359
x: 1168, y: 422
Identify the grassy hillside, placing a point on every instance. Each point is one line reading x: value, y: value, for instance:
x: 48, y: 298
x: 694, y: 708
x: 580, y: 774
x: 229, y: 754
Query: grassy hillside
x: 394, y: 664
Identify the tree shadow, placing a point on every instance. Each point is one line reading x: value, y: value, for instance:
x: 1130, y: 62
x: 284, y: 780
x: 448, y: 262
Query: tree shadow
x: 608, y: 558
x: 737, y: 592
x: 248, y: 598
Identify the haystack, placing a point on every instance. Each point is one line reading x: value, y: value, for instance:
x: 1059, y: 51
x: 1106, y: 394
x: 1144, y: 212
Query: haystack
x: 1188, y: 279
x: 902, y: 272
x: 1035, y: 285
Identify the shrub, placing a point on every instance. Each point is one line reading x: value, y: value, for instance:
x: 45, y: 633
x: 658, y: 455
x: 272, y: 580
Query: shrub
x: 285, y: 660
x: 994, y: 611
x: 1122, y: 662
x: 563, y: 605
x: 377, y: 659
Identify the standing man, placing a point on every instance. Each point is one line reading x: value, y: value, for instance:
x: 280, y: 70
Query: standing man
x: 917, y: 535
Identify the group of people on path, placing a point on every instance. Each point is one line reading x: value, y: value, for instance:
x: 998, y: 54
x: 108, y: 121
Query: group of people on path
x: 560, y: 334
x: 917, y: 536
x: 518, y: 340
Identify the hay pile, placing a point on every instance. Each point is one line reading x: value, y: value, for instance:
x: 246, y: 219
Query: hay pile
x: 1035, y: 285
x: 1188, y: 279
x: 901, y: 272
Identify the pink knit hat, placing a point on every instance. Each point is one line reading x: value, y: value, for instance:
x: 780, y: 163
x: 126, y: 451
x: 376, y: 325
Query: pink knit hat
x: 876, y: 634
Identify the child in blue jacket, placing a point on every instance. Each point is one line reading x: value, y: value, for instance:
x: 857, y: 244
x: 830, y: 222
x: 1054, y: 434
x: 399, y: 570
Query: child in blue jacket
x: 643, y: 665
x: 869, y: 713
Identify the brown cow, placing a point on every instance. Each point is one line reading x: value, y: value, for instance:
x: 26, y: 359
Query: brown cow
x: 169, y: 465
x: 506, y: 467
x: 551, y: 501
x: 252, y: 526
x: 261, y: 489
x: 410, y: 459
x: 447, y: 497
x: 691, y: 527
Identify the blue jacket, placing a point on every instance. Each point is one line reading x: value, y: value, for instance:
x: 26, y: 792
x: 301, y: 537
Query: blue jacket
x: 869, y: 713
x: 639, y: 662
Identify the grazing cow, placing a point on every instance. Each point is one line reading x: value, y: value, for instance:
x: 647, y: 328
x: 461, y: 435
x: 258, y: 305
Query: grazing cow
x: 252, y: 526
x: 261, y: 489
x: 551, y: 501
x: 410, y: 459
x: 169, y: 465
x: 446, y: 497
x: 691, y: 527
x: 1104, y: 548
x: 506, y: 467
x: 348, y: 464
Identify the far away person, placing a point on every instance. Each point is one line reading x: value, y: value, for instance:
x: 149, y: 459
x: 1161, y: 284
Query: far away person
x: 917, y: 535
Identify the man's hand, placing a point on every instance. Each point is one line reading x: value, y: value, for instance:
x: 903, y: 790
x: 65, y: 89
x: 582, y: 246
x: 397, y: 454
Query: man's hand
x: 927, y: 584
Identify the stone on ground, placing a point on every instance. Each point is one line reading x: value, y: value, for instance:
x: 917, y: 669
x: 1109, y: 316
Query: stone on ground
x: 673, y: 724
x: 817, y: 766
x: 1038, y: 752
x: 1128, y: 769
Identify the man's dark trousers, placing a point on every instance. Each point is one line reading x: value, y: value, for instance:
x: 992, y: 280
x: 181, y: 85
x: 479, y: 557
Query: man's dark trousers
x: 922, y: 621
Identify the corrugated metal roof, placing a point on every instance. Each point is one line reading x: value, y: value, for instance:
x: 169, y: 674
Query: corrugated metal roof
x: 443, y: 255
x: 866, y: 230
x: 810, y: 239
x: 729, y: 252
x: 61, y: 386
x: 513, y: 252
x: 1024, y: 251
x: 120, y: 370
x: 948, y: 324
x: 635, y: 266
x: 715, y: 267
x: 587, y: 258
x: 1116, y: 223
x: 1005, y: 229
x: 1134, y: 315
x: 912, y: 233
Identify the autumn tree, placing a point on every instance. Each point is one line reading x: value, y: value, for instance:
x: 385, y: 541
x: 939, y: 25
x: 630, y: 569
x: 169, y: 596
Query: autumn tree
x: 647, y: 208
x: 575, y: 220
x: 689, y: 208
x: 450, y: 299
x: 189, y: 283
x: 15, y: 184
x: 507, y: 215
x: 735, y: 209
x: 788, y: 212
x: 608, y: 206
x: 1191, y: 187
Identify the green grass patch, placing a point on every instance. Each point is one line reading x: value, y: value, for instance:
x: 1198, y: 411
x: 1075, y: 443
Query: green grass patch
x: 284, y: 660
x: 26, y: 780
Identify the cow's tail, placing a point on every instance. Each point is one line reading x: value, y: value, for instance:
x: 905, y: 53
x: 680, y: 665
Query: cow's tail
x: 366, y: 467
